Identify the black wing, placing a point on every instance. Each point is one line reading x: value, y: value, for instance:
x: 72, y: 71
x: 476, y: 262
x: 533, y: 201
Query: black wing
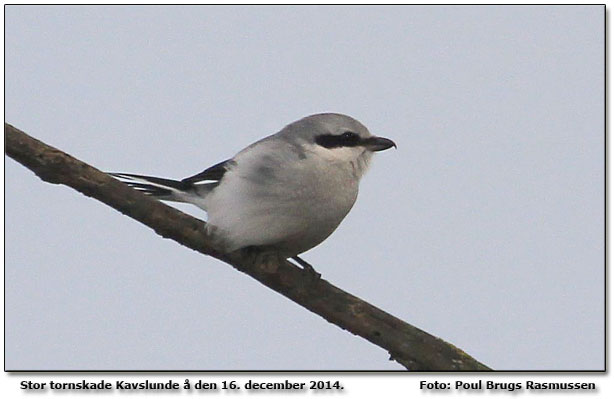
x: 212, y: 174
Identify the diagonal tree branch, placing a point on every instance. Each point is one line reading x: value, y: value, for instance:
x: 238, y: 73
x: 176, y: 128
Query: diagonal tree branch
x: 408, y: 345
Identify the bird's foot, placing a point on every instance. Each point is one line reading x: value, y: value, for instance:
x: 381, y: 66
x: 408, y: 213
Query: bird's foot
x: 307, y: 268
x: 267, y: 261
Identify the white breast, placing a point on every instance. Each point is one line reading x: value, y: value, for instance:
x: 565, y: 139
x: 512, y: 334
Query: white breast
x: 283, y: 200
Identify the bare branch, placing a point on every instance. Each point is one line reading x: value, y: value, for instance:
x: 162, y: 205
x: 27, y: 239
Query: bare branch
x: 408, y: 345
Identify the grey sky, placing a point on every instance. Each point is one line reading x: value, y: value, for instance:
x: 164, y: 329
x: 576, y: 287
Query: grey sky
x: 484, y: 228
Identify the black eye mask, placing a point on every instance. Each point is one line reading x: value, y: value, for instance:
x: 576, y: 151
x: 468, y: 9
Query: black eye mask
x: 347, y: 139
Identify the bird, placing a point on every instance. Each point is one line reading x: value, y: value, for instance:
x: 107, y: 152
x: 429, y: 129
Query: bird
x: 283, y: 194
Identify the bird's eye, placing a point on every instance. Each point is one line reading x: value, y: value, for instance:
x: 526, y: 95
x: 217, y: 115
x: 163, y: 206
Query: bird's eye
x: 349, y: 135
x: 349, y: 139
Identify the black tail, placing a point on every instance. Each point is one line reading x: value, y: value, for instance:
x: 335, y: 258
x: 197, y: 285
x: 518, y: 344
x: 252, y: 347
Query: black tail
x: 154, y: 186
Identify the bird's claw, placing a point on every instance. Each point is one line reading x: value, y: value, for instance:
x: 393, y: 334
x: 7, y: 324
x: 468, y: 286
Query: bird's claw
x: 307, y: 268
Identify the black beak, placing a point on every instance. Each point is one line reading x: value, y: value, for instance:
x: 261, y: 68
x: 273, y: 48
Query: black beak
x: 378, y: 143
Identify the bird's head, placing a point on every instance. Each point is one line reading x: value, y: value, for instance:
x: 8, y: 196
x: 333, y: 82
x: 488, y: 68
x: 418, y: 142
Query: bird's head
x: 338, y: 138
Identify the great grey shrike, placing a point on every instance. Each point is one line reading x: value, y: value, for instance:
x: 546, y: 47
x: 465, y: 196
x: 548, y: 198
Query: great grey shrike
x: 285, y: 193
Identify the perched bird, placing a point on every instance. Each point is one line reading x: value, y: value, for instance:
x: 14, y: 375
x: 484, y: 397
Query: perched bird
x: 285, y: 193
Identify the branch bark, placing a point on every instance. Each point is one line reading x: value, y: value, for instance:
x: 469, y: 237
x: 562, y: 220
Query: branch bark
x: 413, y: 348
